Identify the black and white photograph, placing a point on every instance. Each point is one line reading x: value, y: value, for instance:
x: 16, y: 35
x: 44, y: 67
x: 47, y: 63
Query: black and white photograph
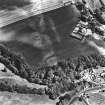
x: 52, y: 52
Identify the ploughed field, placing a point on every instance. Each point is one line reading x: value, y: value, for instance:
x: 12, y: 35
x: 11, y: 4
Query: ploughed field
x: 40, y: 38
x: 55, y: 43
